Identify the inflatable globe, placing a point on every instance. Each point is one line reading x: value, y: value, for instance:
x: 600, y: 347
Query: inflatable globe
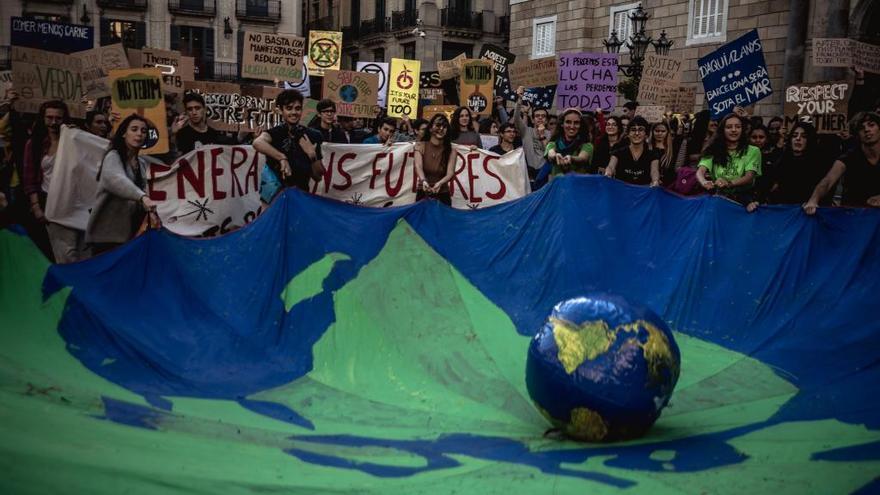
x: 602, y: 368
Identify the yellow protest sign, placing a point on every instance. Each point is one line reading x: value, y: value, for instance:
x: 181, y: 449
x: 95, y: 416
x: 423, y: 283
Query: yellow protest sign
x: 139, y: 91
x: 325, y: 51
x: 477, y: 81
x: 403, y: 88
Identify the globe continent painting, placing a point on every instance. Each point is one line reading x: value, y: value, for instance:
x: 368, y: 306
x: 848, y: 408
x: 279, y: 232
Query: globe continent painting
x: 330, y: 348
x: 602, y: 369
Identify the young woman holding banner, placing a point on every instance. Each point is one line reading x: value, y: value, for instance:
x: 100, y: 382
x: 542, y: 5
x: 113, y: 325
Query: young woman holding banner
x: 731, y: 161
x: 435, y: 161
x: 121, y: 201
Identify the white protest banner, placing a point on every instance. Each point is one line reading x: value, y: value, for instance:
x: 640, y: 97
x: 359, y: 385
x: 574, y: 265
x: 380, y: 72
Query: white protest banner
x: 368, y: 174
x: 485, y: 179
x: 208, y: 191
x: 381, y: 71
x: 73, y: 187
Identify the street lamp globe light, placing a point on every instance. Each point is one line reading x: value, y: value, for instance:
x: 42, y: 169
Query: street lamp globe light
x: 663, y: 44
x: 639, y: 18
x: 613, y: 43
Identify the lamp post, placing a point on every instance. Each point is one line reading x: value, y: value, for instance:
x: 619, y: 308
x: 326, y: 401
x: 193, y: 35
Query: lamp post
x: 637, y: 44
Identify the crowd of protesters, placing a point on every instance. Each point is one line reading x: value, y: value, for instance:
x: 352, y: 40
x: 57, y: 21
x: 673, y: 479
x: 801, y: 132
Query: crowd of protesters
x: 738, y: 157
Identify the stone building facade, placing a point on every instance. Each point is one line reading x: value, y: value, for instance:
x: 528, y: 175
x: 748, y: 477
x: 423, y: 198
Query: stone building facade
x: 211, y: 31
x: 379, y: 30
x: 698, y: 27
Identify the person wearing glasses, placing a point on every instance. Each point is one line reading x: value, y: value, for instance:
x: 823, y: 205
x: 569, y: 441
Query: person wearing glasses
x: 569, y: 150
x: 534, y: 137
x: 635, y: 163
x: 326, y: 123
x: 435, y: 161
x: 506, y: 139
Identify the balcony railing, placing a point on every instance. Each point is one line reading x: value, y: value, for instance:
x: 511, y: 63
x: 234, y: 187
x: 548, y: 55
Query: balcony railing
x: 465, y: 19
x: 123, y: 4
x: 267, y: 10
x: 403, y: 19
x: 206, y: 8
x: 56, y: 2
x: 320, y: 24
x: 375, y: 26
x: 226, y: 71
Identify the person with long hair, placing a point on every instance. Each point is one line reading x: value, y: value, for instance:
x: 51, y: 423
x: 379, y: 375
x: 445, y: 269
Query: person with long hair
x: 662, y: 143
x: 435, y: 161
x: 39, y: 162
x: 463, y: 128
x: 635, y: 163
x: 859, y: 168
x: 702, y: 132
x: 802, y: 166
x: 121, y: 202
x: 732, y: 162
x: 567, y: 150
x: 607, y: 143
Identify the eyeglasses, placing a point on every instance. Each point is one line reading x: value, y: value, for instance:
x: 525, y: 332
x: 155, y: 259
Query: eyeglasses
x: 636, y: 129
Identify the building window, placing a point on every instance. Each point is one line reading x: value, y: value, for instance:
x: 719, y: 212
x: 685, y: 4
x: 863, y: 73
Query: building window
x: 707, y: 21
x: 379, y: 55
x: 132, y: 34
x: 619, y: 22
x: 451, y: 50
x: 409, y: 51
x: 198, y: 43
x: 544, y: 36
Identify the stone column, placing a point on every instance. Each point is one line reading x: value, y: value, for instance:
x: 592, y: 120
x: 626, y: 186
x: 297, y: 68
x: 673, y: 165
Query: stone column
x: 795, y: 46
x: 829, y: 19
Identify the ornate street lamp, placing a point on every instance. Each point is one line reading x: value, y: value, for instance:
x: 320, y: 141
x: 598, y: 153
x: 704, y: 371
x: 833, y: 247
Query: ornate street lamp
x: 663, y: 44
x: 637, y: 44
x: 613, y: 44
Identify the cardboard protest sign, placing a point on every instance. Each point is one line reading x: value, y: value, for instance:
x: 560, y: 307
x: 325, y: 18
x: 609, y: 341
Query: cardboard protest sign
x: 139, y: 91
x: 449, y: 69
x: 325, y: 51
x: 534, y: 73
x: 39, y: 76
x: 271, y: 56
x: 587, y: 81
x: 651, y: 113
x: 843, y: 52
x: 304, y: 86
x: 59, y: 37
x: 477, y: 81
x: 208, y: 191
x: 380, y: 69
x: 233, y: 107
x: 176, y: 69
x: 431, y: 90
x: 431, y: 110
x: 403, y: 88
x: 72, y: 191
x: 485, y: 179
x: 660, y: 76
x: 681, y: 99
x: 368, y: 174
x: 310, y: 110
x: 355, y: 93
x: 824, y: 104
x: 735, y: 75
x: 96, y: 66
x: 501, y: 60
